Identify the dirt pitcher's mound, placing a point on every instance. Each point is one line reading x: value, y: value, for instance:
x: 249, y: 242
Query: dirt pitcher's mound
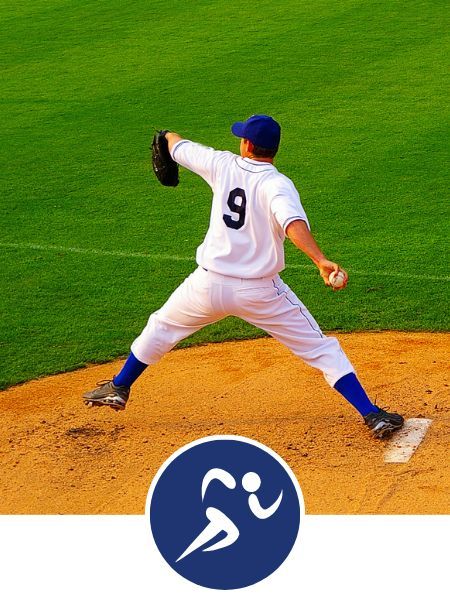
x: 57, y: 456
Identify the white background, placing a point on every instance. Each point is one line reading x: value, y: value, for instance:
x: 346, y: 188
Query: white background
x: 112, y: 557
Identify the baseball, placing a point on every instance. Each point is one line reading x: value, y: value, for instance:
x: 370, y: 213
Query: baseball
x: 336, y: 279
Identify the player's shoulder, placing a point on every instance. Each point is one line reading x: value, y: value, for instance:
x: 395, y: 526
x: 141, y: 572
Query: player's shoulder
x: 223, y: 160
x: 280, y: 183
x: 225, y: 155
x: 217, y: 155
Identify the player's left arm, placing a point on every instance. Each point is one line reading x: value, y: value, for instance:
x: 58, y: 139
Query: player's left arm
x: 299, y: 234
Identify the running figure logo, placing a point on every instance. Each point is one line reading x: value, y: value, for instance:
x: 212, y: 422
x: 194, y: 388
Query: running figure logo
x: 224, y: 511
x: 218, y: 521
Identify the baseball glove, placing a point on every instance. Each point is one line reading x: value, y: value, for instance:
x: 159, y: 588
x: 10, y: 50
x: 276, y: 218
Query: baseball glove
x: 164, y: 167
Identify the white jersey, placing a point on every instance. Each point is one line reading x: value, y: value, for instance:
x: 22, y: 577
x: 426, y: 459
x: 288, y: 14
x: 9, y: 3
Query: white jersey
x: 253, y: 203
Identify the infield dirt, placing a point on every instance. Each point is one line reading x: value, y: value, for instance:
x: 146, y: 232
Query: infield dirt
x: 57, y: 456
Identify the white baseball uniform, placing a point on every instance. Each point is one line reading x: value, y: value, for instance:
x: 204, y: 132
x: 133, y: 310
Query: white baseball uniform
x: 239, y: 261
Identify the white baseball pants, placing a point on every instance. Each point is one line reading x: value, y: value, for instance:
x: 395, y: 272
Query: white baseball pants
x: 268, y: 303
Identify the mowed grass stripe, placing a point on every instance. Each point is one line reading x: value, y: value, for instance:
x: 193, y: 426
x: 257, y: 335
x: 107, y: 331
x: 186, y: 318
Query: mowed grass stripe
x: 97, y: 252
x: 191, y: 259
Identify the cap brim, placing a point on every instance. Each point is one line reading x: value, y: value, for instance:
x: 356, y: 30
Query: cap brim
x: 237, y: 129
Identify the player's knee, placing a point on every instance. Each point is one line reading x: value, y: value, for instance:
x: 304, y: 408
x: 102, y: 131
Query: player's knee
x: 155, y: 340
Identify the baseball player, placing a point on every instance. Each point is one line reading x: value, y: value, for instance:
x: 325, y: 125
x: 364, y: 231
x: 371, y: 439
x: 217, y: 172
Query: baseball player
x: 254, y: 208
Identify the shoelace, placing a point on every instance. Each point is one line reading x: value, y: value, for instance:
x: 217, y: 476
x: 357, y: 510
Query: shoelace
x: 104, y: 382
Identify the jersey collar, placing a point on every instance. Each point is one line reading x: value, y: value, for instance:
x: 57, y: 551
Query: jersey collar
x: 252, y: 161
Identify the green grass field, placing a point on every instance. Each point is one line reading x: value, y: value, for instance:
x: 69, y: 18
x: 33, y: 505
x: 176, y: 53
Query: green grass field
x: 90, y: 243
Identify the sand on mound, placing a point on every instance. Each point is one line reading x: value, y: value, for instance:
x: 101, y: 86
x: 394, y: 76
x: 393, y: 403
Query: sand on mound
x: 58, y: 456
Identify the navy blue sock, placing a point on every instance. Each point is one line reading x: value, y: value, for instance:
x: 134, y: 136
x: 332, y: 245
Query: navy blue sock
x: 353, y: 391
x: 130, y: 371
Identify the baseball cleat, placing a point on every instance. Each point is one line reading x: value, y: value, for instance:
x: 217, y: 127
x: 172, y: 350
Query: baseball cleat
x: 107, y: 394
x: 382, y: 423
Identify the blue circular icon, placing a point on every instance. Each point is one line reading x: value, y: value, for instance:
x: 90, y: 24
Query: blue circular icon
x: 224, y: 511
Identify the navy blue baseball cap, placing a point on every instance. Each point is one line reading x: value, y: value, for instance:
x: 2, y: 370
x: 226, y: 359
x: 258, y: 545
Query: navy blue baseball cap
x: 261, y: 130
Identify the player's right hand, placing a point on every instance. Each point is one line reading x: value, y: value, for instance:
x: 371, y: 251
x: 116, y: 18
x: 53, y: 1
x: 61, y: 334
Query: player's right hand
x: 326, y: 267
